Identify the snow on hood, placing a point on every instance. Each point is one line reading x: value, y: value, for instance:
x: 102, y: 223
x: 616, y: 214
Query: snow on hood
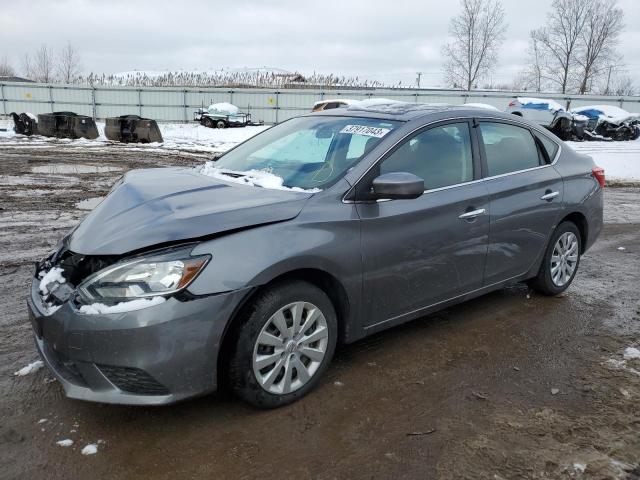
x: 162, y: 205
x: 540, y: 103
x: 254, y: 178
x: 130, y: 306
x: 606, y: 112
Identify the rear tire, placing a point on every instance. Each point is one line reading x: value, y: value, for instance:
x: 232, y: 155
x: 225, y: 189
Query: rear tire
x: 267, y: 365
x: 561, y: 261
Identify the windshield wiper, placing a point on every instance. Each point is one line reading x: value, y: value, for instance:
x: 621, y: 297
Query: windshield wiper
x: 234, y: 174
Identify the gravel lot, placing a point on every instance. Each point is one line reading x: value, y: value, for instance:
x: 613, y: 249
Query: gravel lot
x: 511, y: 385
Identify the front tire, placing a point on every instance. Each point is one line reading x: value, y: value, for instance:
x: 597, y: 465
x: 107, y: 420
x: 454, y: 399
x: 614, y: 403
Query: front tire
x: 560, y: 262
x: 284, y: 344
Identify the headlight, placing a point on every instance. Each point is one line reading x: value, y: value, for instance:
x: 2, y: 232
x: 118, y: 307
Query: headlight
x: 144, y: 277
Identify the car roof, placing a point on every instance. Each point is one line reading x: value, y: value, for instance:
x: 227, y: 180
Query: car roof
x: 407, y: 111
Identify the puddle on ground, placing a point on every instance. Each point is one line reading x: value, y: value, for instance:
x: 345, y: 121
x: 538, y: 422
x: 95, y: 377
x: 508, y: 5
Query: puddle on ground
x: 67, y: 168
x: 89, y: 203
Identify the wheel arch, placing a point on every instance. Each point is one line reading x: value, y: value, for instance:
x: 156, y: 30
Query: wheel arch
x: 322, y: 279
x: 580, y: 221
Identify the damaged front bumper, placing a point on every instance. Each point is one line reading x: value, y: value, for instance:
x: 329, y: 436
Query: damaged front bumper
x: 157, y: 355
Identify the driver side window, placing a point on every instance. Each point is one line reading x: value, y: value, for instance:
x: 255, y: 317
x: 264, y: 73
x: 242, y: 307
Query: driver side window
x: 441, y: 156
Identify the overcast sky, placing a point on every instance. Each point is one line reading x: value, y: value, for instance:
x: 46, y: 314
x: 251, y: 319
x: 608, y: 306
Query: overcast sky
x: 382, y: 40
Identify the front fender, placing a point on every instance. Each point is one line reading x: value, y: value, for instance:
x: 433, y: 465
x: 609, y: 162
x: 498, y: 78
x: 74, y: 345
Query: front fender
x: 254, y: 257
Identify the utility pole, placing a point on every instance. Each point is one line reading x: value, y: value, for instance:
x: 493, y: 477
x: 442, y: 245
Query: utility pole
x: 606, y: 90
x: 419, y: 74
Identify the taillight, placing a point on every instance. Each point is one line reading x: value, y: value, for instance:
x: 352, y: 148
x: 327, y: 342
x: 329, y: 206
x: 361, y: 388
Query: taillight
x: 598, y: 173
x: 512, y: 103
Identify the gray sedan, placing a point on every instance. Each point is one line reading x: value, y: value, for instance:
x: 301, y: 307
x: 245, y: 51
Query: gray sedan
x: 323, y: 229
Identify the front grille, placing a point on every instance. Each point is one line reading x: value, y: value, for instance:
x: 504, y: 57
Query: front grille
x: 133, y: 380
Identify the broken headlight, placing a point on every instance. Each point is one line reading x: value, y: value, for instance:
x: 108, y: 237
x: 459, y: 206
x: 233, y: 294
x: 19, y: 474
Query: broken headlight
x: 147, y: 276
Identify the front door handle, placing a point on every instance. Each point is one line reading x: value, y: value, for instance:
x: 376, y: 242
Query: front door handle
x: 473, y: 214
x: 549, y: 195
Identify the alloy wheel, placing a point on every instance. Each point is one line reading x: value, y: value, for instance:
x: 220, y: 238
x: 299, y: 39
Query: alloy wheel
x: 564, y: 259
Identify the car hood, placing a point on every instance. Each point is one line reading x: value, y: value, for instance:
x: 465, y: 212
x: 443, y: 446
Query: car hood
x: 156, y: 206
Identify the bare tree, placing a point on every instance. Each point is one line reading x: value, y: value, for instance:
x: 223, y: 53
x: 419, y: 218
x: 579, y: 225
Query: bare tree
x: 599, y: 38
x: 533, y: 74
x: 6, y: 70
x: 40, y: 67
x: 560, y: 39
x: 478, y: 32
x: 617, y: 83
x: 69, y: 67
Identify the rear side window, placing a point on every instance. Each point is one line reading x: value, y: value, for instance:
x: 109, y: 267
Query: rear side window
x: 508, y: 148
x: 441, y: 156
x: 550, y: 146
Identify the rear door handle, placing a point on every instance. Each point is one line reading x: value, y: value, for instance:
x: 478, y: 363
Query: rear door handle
x: 549, y: 196
x: 472, y: 214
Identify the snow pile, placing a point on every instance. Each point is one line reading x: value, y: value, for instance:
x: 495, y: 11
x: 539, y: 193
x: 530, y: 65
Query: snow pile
x: 254, y: 178
x: 90, y: 449
x: 579, y: 467
x: 31, y: 368
x: 223, y: 109
x: 133, y: 305
x: 631, y: 353
x: 64, y: 443
x: 52, y: 276
x: 540, y: 103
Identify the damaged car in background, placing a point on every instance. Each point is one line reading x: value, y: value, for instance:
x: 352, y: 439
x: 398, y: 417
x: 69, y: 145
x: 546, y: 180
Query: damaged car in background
x: 551, y: 115
x: 248, y: 271
x: 609, y: 122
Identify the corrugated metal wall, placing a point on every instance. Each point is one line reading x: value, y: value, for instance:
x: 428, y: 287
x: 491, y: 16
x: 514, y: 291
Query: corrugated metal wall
x: 270, y: 105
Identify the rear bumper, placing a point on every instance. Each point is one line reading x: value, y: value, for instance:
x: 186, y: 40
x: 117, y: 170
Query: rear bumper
x: 154, y: 356
x: 595, y: 216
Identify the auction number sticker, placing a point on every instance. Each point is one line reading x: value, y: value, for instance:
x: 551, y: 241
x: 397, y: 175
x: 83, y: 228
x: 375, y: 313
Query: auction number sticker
x: 366, y: 131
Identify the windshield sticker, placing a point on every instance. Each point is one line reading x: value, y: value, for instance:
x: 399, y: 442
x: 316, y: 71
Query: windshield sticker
x: 366, y: 131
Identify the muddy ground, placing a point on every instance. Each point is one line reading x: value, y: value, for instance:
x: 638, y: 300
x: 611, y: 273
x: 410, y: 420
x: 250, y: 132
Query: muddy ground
x: 511, y: 385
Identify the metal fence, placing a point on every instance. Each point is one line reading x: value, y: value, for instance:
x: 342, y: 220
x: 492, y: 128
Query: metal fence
x: 173, y: 104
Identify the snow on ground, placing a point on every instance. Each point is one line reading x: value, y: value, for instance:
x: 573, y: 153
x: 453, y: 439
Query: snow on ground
x: 186, y: 137
x: 64, y: 443
x: 90, y: 449
x: 631, y: 353
x: 620, y: 160
x: 31, y: 368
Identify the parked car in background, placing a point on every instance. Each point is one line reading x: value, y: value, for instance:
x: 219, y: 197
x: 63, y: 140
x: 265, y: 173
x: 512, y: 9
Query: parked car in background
x: 332, y: 103
x: 323, y: 229
x: 610, y: 122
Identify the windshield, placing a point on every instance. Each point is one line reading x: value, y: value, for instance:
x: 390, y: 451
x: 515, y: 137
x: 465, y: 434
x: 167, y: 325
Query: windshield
x: 307, y: 152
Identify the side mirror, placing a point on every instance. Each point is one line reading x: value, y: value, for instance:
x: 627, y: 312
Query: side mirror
x: 398, y: 185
